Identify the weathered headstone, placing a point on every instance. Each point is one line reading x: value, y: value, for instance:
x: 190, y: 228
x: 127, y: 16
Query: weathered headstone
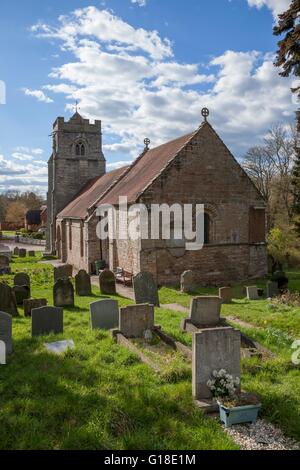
x: 59, y: 347
x: 16, y: 251
x: 107, y: 282
x: 225, y: 293
x: 205, y: 311
x: 46, y: 320
x: 4, y: 265
x: 31, y: 253
x: 145, y: 289
x: 6, y: 251
x: 272, y: 289
x: 30, y: 304
x: 22, y: 279
x: 252, y: 293
x: 83, y: 283
x: 63, y: 293
x: 63, y: 272
x: 21, y: 293
x: 8, y: 300
x: 187, y: 283
x: 134, y: 320
x: 2, y: 352
x: 214, y: 349
x: 22, y: 252
x: 6, y: 331
x: 104, y: 314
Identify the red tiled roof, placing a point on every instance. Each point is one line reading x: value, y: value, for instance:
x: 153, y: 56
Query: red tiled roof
x: 144, y: 170
x: 89, y: 194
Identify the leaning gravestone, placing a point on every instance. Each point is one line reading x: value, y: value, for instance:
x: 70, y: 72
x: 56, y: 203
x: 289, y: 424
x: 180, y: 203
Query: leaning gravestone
x: 6, y: 331
x: 46, y: 320
x: 22, y: 279
x: 16, y: 251
x: 63, y: 272
x: 7, y: 300
x: 134, y: 320
x: 272, y: 289
x: 83, y: 283
x: 252, y: 293
x: 21, y: 293
x: 22, y: 252
x: 145, y: 289
x: 187, y: 283
x: 104, y: 314
x: 225, y: 293
x: 4, y: 265
x: 214, y: 349
x: 107, y: 282
x: 63, y: 293
x: 205, y: 311
x: 30, y: 304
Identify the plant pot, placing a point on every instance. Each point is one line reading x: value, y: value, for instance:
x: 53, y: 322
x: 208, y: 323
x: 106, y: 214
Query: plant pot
x: 238, y: 414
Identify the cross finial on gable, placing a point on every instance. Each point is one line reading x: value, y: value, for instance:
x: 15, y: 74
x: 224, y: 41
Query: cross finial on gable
x: 147, y: 143
x: 205, y: 113
x: 76, y: 107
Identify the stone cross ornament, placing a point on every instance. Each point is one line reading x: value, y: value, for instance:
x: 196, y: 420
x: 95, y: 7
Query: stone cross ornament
x: 205, y: 113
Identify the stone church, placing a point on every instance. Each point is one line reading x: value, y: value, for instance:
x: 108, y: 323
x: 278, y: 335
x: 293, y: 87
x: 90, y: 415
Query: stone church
x: 193, y: 169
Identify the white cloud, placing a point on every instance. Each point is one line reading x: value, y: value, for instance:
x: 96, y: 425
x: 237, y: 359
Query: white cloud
x: 141, y: 3
x: 23, y: 176
x: 276, y: 6
x: 38, y: 94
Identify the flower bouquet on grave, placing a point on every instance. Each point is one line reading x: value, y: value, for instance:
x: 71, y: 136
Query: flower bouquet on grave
x: 235, y: 407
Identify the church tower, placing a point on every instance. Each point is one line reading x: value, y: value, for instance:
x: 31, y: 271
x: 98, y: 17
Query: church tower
x: 76, y: 158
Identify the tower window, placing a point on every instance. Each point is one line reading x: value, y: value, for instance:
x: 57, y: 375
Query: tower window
x: 77, y: 149
x: 82, y: 150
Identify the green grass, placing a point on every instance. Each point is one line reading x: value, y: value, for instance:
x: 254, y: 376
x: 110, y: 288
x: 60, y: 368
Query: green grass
x: 100, y: 396
x: 97, y: 396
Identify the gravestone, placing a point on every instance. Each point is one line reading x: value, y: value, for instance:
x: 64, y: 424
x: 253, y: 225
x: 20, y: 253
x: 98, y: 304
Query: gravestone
x: 5, y: 250
x: 59, y: 347
x: 4, y: 265
x: 2, y: 352
x: 272, y: 289
x: 46, y: 320
x: 225, y: 293
x: 63, y: 293
x: 22, y: 252
x: 187, y: 283
x: 4, y: 261
x: 107, y: 282
x: 145, y: 289
x: 22, y: 279
x: 214, y: 349
x: 8, y: 300
x: 252, y: 293
x: 83, y: 283
x: 6, y: 331
x: 16, y: 251
x: 31, y: 253
x: 134, y: 320
x: 21, y: 293
x: 30, y: 304
x: 205, y: 311
x: 104, y: 314
x: 63, y: 272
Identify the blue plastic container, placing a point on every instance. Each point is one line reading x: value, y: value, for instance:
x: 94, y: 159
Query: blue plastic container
x: 239, y: 414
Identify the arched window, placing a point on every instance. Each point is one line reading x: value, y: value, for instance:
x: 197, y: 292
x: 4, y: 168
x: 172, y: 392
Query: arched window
x: 77, y: 149
x: 82, y: 150
x: 206, y: 228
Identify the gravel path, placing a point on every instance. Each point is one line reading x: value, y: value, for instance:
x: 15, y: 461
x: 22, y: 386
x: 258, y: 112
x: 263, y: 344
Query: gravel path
x: 261, y: 436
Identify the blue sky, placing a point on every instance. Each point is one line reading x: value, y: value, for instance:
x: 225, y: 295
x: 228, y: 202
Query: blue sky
x: 145, y: 67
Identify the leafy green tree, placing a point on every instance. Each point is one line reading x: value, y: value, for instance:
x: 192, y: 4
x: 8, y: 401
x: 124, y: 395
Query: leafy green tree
x: 288, y: 59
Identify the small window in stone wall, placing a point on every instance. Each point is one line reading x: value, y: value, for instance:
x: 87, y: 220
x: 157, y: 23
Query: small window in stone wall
x: 257, y: 225
x: 206, y: 229
x: 70, y: 236
x: 80, y: 149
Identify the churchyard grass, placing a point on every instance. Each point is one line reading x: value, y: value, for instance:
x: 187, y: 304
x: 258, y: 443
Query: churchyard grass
x: 101, y: 396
